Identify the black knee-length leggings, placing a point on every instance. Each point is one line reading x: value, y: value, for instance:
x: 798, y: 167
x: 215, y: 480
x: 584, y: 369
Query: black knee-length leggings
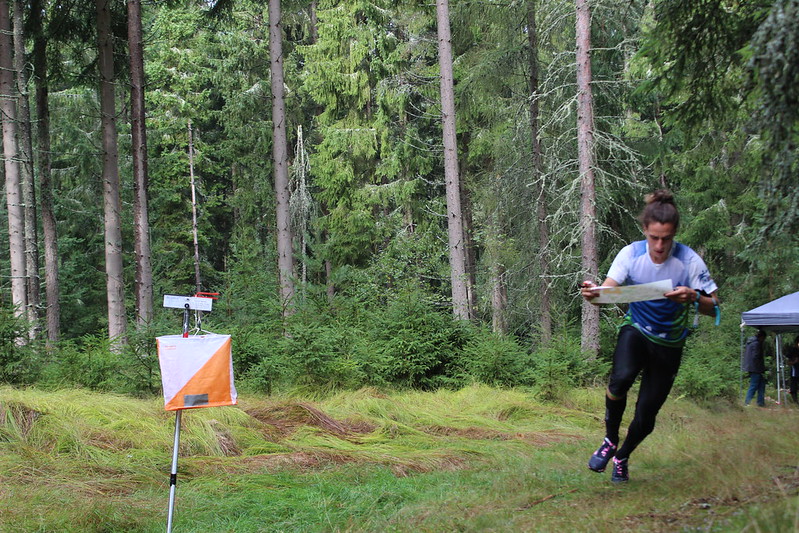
x: 658, y: 365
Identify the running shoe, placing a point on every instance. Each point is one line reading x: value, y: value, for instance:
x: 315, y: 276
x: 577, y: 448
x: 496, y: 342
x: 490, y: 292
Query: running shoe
x: 619, y: 474
x: 600, y: 459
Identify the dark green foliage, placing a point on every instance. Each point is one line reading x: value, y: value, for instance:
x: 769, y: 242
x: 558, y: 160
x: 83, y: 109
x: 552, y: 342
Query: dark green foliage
x: 313, y: 348
x: 703, y: 378
x: 259, y: 361
x: 409, y: 262
x: 561, y: 366
x: 249, y: 284
x: 320, y: 355
x: 413, y: 344
x: 498, y: 360
x: 724, y: 96
x: 775, y: 71
x: 137, y: 364
x: 775, y: 68
x: 18, y: 362
x: 89, y: 363
x: 711, y: 362
x: 697, y: 48
x: 317, y: 347
x: 82, y: 275
x: 253, y: 346
x: 407, y: 343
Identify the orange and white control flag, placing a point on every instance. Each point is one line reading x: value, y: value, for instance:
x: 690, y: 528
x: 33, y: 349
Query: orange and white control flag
x: 196, y: 371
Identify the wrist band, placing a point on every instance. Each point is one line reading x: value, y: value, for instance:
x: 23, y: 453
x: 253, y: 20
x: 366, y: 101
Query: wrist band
x: 716, y: 308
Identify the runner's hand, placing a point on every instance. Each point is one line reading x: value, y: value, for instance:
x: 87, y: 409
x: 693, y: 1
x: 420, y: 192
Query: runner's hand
x: 586, y: 290
x: 682, y: 295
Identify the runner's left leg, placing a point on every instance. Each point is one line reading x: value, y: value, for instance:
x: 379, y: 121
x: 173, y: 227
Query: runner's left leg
x: 659, y: 372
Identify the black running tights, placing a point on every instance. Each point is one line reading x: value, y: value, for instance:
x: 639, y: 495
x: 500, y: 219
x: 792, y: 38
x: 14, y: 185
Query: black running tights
x: 658, y: 366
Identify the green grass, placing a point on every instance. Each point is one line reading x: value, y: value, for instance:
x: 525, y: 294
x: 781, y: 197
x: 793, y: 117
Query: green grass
x: 477, y: 459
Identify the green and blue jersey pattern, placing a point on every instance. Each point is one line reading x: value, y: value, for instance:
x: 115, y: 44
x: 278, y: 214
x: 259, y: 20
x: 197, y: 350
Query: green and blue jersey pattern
x: 662, y: 321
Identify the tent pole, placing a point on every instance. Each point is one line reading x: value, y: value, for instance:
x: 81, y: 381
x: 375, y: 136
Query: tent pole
x: 173, y: 478
x: 778, y: 363
x: 741, y: 367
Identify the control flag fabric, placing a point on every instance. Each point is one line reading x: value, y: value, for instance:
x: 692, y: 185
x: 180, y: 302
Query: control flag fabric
x: 196, y: 371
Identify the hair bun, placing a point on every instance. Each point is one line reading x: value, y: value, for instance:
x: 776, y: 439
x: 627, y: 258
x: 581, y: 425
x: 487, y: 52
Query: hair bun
x: 661, y: 196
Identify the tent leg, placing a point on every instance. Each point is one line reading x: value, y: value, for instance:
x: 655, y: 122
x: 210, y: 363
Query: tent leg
x: 741, y: 373
x: 779, y: 373
x: 173, y: 478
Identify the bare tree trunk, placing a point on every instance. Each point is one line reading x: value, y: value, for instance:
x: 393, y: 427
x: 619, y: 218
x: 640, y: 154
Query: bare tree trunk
x: 300, y: 204
x: 51, y: 277
x: 314, y: 21
x: 194, y: 232
x: 499, y: 299
x: 141, y: 221
x: 470, y: 251
x: 117, y: 325
x: 25, y: 140
x: 585, y: 155
x: 16, y: 214
x: 457, y: 255
x: 285, y: 256
x: 538, y: 177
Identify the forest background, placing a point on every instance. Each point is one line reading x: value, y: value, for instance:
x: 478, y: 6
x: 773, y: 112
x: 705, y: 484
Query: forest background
x: 696, y: 96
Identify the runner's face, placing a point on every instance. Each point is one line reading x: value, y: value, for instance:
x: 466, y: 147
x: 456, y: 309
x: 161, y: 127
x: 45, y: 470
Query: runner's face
x: 660, y: 238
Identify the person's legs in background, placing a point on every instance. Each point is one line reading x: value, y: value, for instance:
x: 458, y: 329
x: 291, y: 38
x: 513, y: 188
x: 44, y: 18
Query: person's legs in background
x: 761, y: 391
x: 755, y: 380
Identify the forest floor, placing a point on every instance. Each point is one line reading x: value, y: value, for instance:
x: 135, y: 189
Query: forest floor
x: 476, y: 459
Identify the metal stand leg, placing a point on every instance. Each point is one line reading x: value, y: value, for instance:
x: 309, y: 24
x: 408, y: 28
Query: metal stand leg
x: 173, y: 478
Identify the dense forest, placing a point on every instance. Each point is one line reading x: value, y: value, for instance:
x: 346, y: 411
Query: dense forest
x: 400, y: 194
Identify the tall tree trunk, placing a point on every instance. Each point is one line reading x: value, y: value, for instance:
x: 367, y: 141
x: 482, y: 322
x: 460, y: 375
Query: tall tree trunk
x: 314, y: 22
x: 117, y: 325
x: 16, y: 214
x: 141, y: 220
x: 285, y: 257
x: 538, y: 177
x: 470, y: 251
x: 585, y: 155
x: 499, y: 299
x: 51, y: 277
x: 198, y: 286
x: 25, y: 140
x: 457, y: 253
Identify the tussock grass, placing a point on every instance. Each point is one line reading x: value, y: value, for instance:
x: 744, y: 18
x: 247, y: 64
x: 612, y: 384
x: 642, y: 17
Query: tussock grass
x: 475, y: 459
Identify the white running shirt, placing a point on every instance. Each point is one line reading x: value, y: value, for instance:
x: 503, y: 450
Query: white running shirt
x: 663, y: 321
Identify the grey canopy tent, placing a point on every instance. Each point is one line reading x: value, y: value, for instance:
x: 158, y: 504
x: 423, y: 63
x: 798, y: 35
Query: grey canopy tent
x: 778, y: 316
